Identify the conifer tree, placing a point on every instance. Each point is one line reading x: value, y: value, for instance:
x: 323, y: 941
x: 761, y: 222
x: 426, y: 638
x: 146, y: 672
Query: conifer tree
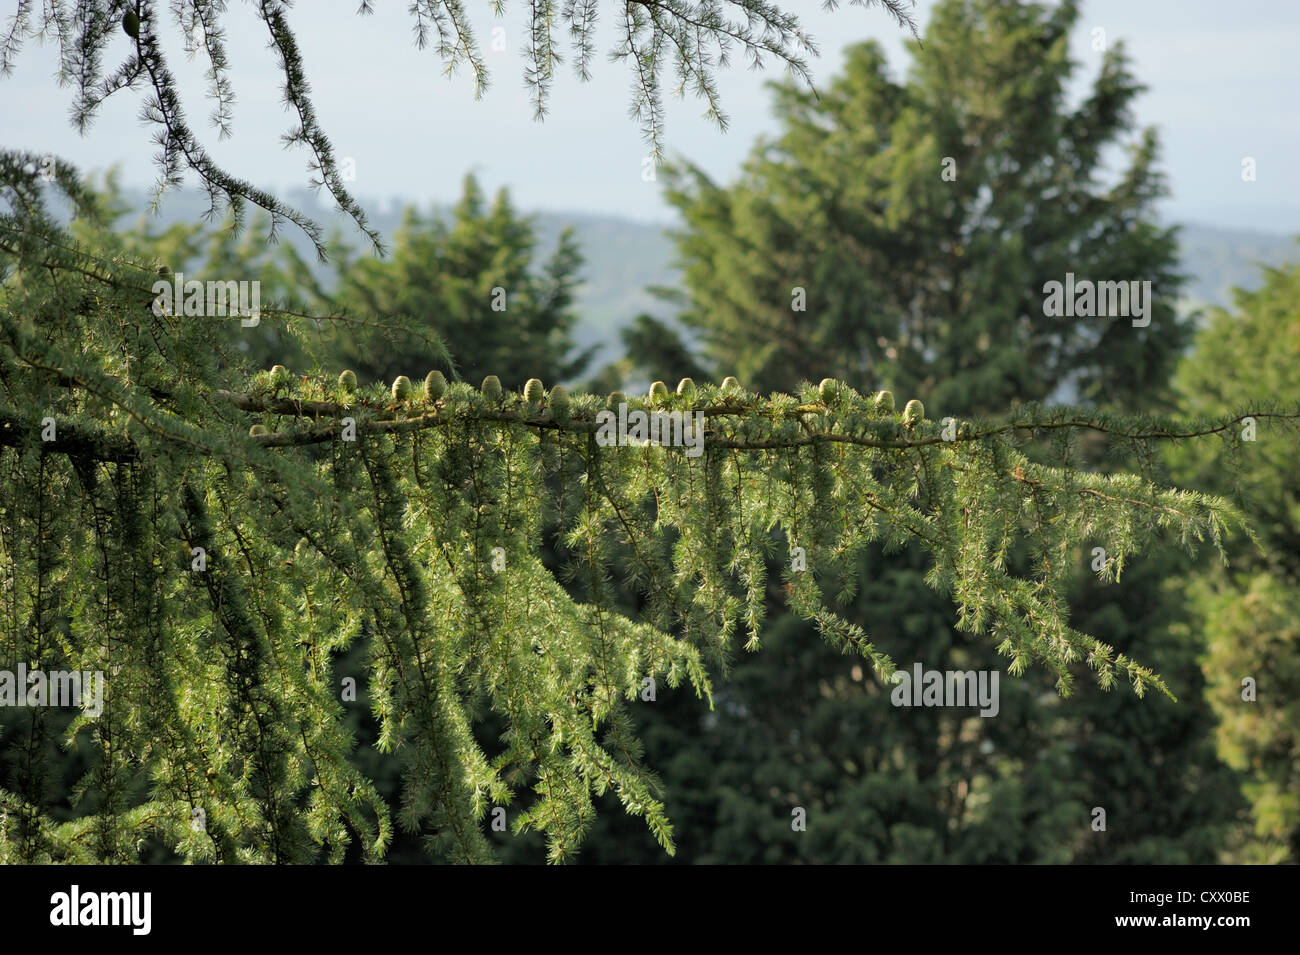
x: 474, y: 278
x: 899, y: 232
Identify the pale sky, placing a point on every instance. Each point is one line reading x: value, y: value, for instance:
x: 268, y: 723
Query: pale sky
x: 1223, y: 83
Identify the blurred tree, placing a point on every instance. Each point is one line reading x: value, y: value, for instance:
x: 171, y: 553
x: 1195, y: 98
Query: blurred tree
x: 447, y: 280
x: 900, y: 235
x: 473, y: 282
x: 653, y: 351
x: 1250, y: 610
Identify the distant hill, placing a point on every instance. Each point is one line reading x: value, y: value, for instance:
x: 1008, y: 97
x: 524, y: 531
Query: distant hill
x: 1217, y: 260
x: 624, y: 257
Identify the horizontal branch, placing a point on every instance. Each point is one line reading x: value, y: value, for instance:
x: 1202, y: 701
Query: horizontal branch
x: 435, y: 418
x: 101, y: 444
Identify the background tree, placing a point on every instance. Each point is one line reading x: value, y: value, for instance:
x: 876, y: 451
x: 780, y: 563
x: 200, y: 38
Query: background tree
x: 1249, y: 610
x: 922, y: 219
x: 385, y: 316
x: 474, y: 279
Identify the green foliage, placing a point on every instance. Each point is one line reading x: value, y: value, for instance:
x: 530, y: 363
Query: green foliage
x: 801, y: 725
x: 459, y: 550
x: 654, y: 350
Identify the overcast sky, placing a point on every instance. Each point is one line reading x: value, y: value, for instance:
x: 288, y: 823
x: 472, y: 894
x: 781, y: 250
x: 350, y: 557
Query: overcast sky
x: 1223, y: 83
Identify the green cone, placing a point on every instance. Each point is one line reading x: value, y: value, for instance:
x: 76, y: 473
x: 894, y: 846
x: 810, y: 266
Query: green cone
x: 435, y: 386
x: 559, y: 404
x: 913, y: 413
